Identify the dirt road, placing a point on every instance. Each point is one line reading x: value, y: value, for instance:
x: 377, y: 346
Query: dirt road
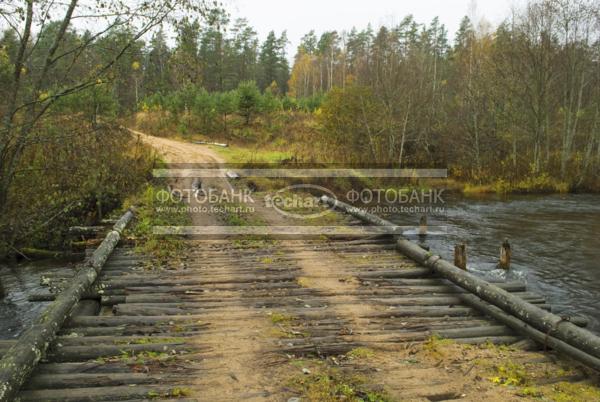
x: 330, y: 320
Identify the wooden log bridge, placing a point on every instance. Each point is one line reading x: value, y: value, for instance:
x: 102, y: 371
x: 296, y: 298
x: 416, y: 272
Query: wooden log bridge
x: 233, y: 313
x: 21, y: 359
x: 524, y: 317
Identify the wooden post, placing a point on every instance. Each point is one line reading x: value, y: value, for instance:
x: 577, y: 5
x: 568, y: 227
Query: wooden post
x: 505, y: 255
x: 423, y: 226
x: 460, y: 256
x: 2, y: 292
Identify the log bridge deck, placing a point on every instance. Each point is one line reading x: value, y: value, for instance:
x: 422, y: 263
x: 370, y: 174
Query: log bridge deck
x: 157, y: 333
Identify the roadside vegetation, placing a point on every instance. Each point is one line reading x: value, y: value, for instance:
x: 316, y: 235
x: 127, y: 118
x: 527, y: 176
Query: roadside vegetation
x: 512, y: 108
x: 64, y: 158
x: 77, y: 175
x: 155, y: 207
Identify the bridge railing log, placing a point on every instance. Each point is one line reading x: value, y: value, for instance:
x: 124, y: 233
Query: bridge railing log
x: 21, y: 359
x: 566, y: 337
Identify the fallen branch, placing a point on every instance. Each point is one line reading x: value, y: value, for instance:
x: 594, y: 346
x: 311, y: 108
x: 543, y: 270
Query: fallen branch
x: 211, y: 143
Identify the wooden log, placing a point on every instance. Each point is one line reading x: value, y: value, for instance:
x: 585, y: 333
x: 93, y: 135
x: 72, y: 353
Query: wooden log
x: 232, y: 175
x: 496, y: 340
x: 404, y: 273
x: 48, y: 297
x: 99, y: 394
x: 137, y: 281
x: 78, y: 380
x: 109, y: 321
x: 116, y: 340
x: 86, y: 308
x: 20, y: 361
x: 143, y: 310
x: 423, y: 226
x: 460, y: 256
x: 37, y: 254
x: 210, y: 143
x: 542, y: 320
x: 527, y: 330
x: 505, y: 255
x: 83, y: 245
x: 87, y: 230
x: 82, y: 367
x: 362, y: 215
x: 177, y: 330
x: 61, y: 354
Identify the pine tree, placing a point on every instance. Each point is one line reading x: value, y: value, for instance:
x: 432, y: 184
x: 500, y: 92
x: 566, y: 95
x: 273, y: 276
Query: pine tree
x: 157, y: 72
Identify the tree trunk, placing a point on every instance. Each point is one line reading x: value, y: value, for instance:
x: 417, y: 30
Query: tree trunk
x: 403, y: 140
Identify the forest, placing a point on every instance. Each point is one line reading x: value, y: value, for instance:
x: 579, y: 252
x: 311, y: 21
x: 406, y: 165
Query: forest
x: 507, y: 108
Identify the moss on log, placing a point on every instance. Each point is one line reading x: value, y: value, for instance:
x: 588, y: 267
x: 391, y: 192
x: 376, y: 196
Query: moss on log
x: 19, y: 362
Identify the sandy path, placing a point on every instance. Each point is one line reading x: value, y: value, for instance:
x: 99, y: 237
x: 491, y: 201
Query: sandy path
x: 240, y: 374
x: 246, y: 369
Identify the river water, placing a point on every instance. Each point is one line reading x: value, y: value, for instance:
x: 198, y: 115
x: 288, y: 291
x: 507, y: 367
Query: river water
x: 20, y: 281
x: 555, y: 243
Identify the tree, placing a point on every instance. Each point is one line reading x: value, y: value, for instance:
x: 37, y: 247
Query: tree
x: 32, y: 93
x: 186, y: 65
x: 352, y: 116
x: 248, y: 100
x: 157, y: 69
x: 226, y: 104
x: 245, y: 51
x: 273, y: 62
x: 214, y: 51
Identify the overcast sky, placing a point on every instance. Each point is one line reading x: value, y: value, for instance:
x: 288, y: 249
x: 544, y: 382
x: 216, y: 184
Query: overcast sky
x: 298, y: 17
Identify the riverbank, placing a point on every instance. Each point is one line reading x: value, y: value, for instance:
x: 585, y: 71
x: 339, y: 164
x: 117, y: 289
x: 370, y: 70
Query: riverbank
x: 300, y: 137
x: 290, y: 153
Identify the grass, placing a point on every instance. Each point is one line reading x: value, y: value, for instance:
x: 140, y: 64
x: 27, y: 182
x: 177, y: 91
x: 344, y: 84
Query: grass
x: 523, y: 379
x: 510, y: 374
x: 569, y: 392
x: 176, y: 392
x: 328, y: 384
x: 235, y: 154
x: 236, y: 214
x: 543, y: 184
x: 360, y: 353
x: 280, y: 318
x: 154, y: 207
x: 304, y: 282
x: 435, y: 345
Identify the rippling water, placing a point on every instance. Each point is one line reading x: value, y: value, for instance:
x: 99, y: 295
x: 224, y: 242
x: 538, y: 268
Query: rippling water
x: 555, y: 243
x: 19, y: 281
